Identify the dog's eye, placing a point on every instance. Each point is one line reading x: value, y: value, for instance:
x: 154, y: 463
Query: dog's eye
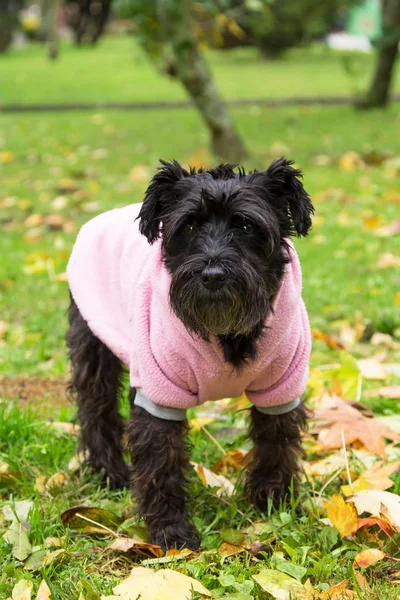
x: 189, y: 229
x: 247, y: 228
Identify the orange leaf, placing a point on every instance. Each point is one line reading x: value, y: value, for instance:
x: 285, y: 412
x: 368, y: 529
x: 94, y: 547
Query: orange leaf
x: 229, y: 549
x: 342, y: 515
x: 369, y: 557
x: 328, y: 339
x: 128, y: 544
x: 234, y: 459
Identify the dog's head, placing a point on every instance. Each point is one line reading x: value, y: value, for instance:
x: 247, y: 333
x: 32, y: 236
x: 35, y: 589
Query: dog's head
x: 223, y: 240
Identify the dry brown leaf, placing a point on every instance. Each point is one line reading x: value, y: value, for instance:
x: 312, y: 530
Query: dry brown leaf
x: 344, y: 419
x: 234, y: 459
x: 56, y: 481
x: 369, y: 557
x: 123, y: 544
x: 210, y: 479
x: 330, y: 341
x: 53, y: 541
x: 229, y: 549
x: 342, y: 514
x: 333, y: 591
x: 164, y: 584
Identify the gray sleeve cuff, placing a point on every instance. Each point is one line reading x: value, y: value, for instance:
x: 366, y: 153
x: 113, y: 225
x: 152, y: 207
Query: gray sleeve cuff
x: 281, y: 409
x: 157, y: 410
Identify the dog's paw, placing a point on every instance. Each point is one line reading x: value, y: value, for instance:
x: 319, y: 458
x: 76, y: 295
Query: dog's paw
x: 273, y: 488
x: 119, y: 480
x: 178, y: 535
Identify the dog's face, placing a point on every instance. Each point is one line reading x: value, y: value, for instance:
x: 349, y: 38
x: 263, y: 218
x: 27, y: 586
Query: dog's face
x: 223, y: 240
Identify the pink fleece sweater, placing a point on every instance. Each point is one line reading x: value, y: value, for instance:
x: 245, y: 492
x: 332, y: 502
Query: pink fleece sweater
x: 121, y: 288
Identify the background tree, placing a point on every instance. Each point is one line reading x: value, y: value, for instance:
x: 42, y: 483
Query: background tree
x: 166, y: 31
x: 9, y: 10
x: 388, y: 44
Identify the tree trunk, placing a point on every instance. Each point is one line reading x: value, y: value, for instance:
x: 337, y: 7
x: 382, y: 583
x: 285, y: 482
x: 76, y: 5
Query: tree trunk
x: 52, y: 29
x: 193, y: 72
x: 378, y: 93
x: 8, y: 21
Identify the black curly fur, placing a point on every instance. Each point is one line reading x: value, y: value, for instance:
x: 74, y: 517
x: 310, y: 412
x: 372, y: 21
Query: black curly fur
x: 160, y: 460
x: 95, y: 385
x: 276, y: 455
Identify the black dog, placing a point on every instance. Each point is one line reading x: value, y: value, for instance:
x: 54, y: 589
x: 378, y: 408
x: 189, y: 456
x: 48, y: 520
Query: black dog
x: 225, y: 247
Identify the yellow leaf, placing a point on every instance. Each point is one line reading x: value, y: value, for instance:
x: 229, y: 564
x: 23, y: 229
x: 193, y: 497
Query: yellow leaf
x: 372, y: 222
x: 356, y: 486
x: 229, y: 549
x: 199, y: 422
x: 350, y: 161
x: 282, y: 586
x: 140, y: 173
x: 57, y: 480
x: 234, y: 459
x: 368, y: 557
x: 40, y: 484
x: 210, y: 479
x: 397, y: 299
x: 164, y: 584
x: 34, y: 220
x: 6, y: 157
x: 342, y: 515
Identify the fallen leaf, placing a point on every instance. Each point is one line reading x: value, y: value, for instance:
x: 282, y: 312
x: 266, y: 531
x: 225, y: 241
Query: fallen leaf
x: 140, y: 173
x: 389, y: 391
x: 40, y: 484
x: 281, y: 586
x: 210, y: 479
x: 164, y: 584
x: 17, y: 512
x: 337, y: 592
x: 343, y: 419
x: 350, y: 161
x: 388, y: 260
x: 34, y: 220
x: 17, y: 536
x: 342, y: 514
x: 372, y: 369
x: 53, y: 541
x: 369, y: 557
x: 379, y: 504
x: 235, y: 459
x: 199, y: 422
x: 35, y: 561
x: 22, y: 590
x: 52, y: 557
x: 56, y: 481
x: 230, y: 550
x: 87, y: 519
x: 372, y: 521
x: 388, y: 230
x: 172, y: 555
x: 6, y: 157
x: 326, y: 466
x: 330, y: 341
x: 43, y: 592
x: 123, y: 544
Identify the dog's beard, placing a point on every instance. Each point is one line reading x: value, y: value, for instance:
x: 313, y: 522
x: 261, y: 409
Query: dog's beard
x: 235, y: 309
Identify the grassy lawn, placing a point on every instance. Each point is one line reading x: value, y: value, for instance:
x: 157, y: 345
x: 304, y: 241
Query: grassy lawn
x: 118, y: 70
x: 57, y: 171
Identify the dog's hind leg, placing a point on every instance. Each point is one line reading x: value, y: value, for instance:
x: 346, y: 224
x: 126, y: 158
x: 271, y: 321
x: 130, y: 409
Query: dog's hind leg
x: 160, y: 460
x: 95, y: 385
x: 276, y: 455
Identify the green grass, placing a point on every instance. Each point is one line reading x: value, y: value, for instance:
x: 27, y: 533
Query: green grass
x: 95, y: 154
x: 118, y: 70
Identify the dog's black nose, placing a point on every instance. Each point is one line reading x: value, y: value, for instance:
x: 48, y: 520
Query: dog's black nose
x: 213, y: 277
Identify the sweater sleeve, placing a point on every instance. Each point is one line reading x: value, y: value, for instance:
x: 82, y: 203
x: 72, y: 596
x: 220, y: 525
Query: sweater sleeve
x: 285, y: 379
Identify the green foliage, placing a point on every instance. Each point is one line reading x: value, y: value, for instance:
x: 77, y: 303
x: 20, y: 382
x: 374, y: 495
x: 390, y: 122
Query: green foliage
x: 277, y: 25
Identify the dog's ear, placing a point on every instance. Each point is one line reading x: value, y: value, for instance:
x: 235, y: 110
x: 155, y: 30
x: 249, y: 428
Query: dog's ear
x: 285, y: 186
x: 158, y: 197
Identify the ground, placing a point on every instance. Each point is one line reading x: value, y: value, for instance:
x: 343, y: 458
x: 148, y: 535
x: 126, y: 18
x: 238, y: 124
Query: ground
x: 58, y: 170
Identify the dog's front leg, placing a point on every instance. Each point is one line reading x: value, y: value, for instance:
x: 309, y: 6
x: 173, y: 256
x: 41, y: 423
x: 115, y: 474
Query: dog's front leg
x: 276, y: 456
x: 160, y: 460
